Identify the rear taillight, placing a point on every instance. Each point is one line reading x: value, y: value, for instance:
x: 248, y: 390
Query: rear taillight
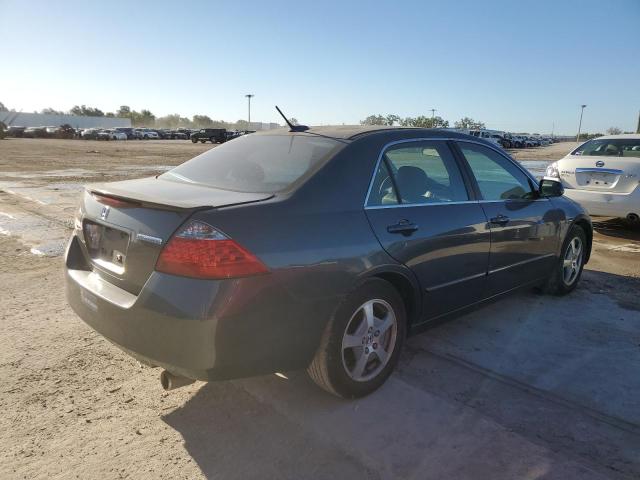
x: 198, y: 250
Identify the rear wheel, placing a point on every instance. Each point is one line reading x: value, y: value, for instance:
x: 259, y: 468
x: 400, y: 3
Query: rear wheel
x: 194, y: 140
x: 568, y: 270
x: 362, y: 342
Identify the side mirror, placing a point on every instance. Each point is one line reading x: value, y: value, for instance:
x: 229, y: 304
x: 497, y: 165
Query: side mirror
x: 550, y: 188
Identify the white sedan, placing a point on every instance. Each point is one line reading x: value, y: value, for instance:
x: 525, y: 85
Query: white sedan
x: 116, y: 135
x: 603, y: 175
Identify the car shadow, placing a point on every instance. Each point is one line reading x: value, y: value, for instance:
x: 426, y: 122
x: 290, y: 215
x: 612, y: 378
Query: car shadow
x: 616, y: 227
x: 472, y: 395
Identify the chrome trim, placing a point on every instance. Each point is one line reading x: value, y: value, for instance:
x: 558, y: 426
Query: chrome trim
x: 453, y: 282
x: 403, y: 205
x: 438, y: 139
x: 149, y: 239
x: 545, y: 199
x: 613, y: 171
x: 523, y: 262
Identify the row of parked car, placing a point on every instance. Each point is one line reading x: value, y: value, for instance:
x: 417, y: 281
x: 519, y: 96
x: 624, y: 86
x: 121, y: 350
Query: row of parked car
x: 510, y: 140
x: 213, y: 135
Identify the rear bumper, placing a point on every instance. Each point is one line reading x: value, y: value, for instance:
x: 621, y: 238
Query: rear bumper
x: 606, y: 203
x: 203, y: 329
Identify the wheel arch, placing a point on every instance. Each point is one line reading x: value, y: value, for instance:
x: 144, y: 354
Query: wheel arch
x: 584, y: 222
x: 407, y: 287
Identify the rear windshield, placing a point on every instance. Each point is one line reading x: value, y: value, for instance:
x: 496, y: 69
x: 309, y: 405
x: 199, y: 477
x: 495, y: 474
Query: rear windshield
x: 256, y: 163
x: 612, y: 147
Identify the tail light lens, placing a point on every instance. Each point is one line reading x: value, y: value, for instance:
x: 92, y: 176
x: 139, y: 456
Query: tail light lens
x: 198, y: 250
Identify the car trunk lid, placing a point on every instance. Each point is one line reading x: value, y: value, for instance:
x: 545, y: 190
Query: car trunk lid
x: 126, y: 224
x: 598, y: 173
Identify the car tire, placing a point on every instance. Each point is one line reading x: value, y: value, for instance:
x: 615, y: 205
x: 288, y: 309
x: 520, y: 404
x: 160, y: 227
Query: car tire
x: 568, y: 269
x: 371, y: 320
x: 194, y: 140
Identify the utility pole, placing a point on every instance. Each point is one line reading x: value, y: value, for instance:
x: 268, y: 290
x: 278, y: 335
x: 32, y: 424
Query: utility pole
x: 580, y: 124
x: 553, y: 127
x: 249, y: 95
x: 433, y: 113
x: 638, y: 129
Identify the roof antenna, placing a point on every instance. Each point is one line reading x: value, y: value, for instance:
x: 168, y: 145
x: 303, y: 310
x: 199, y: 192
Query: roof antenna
x: 292, y: 127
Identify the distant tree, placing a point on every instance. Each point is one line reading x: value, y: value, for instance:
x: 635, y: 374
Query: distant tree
x: 3, y: 108
x: 374, y: 120
x: 143, y: 118
x: 294, y: 121
x: 110, y: 114
x: 614, y: 131
x: 124, y: 111
x: 86, y: 111
x: 51, y: 111
x: 202, y: 121
x: 241, y: 125
x: 3, y: 130
x: 469, y: 123
x: 392, y: 119
x: 425, y: 122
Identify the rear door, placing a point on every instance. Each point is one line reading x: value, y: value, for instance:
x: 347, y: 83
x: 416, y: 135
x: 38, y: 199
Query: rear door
x: 524, y: 228
x: 426, y: 218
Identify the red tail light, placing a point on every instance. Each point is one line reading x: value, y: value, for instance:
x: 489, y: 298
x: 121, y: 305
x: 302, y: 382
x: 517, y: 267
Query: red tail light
x: 198, y: 250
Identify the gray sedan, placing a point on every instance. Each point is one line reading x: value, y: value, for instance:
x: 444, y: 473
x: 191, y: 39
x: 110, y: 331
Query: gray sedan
x: 319, y: 249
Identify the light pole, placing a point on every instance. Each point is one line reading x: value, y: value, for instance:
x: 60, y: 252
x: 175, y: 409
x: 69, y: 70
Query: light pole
x: 249, y: 95
x: 433, y: 114
x: 580, y: 124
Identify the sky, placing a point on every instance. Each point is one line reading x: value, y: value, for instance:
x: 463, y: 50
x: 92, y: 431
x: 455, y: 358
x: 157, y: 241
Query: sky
x: 522, y: 66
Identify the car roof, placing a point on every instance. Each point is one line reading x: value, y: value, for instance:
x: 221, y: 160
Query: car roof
x: 351, y: 132
x: 622, y: 136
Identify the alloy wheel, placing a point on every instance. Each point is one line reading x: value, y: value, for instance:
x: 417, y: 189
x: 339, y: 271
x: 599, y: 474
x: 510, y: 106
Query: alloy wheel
x: 369, y: 340
x: 572, y: 261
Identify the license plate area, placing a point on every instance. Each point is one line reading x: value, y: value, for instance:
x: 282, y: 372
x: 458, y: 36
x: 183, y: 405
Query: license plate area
x: 107, y: 246
x: 597, y: 180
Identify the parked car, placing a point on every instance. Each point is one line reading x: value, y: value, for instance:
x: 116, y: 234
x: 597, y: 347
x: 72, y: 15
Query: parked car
x: 114, y: 134
x: 34, y: 132
x: 15, y: 131
x: 489, y: 135
x: 603, y: 175
x: 90, y: 133
x: 128, y: 131
x: 517, y: 141
x: 179, y: 135
x: 213, y: 135
x: 146, y: 134
x: 288, y: 250
x: 530, y: 142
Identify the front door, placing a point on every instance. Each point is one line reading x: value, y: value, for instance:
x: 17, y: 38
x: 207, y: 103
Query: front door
x: 524, y: 227
x: 424, y: 216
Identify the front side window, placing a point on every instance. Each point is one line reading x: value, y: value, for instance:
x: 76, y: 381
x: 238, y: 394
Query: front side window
x: 497, y: 177
x: 613, y: 147
x: 423, y: 173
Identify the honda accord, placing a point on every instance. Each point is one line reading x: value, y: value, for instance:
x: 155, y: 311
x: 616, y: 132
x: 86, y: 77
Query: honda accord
x: 317, y: 249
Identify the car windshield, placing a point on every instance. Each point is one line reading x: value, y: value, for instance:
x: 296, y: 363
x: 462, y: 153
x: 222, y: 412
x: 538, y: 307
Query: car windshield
x: 256, y: 163
x: 610, y: 147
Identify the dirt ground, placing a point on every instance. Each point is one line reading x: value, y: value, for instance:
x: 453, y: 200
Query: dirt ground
x: 531, y: 387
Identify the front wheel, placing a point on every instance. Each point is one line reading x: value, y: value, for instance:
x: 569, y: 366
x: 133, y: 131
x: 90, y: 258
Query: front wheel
x: 568, y: 269
x: 362, y: 342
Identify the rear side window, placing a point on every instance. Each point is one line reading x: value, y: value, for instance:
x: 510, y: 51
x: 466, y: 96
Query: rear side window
x: 423, y: 173
x: 257, y: 163
x: 497, y: 177
x: 613, y: 147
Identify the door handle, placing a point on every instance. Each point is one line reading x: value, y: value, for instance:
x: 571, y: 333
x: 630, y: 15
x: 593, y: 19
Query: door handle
x: 405, y: 227
x: 500, y: 220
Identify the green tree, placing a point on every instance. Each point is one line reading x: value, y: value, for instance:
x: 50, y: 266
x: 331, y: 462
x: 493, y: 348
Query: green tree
x: 614, y: 131
x: 124, y: 111
x: 143, y: 118
x: 202, y: 121
x: 241, y: 125
x: 469, y: 124
x: 86, y: 111
x: 51, y: 111
x: 168, y: 121
x: 3, y: 108
x: 425, y: 122
x: 374, y: 120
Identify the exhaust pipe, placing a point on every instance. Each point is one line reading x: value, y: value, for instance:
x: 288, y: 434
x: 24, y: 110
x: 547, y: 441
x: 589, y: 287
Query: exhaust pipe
x: 169, y: 381
x: 633, y: 218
